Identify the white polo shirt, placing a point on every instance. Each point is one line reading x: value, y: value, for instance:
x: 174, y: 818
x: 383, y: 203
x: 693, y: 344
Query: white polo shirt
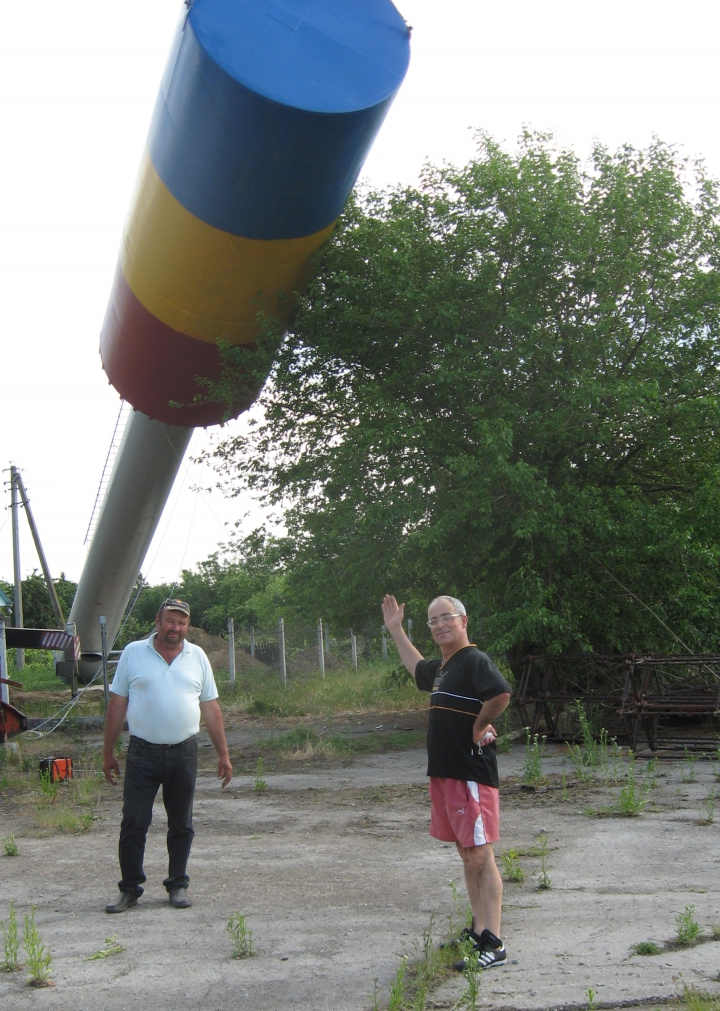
x: 163, y: 699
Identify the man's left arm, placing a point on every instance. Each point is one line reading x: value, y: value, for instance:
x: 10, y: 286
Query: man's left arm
x: 490, y: 711
x: 213, y: 720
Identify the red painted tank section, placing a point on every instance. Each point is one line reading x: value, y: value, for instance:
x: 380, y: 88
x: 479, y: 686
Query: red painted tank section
x: 150, y: 364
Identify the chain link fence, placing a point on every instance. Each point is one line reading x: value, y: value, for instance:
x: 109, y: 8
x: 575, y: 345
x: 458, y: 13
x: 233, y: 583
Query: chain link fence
x: 296, y: 650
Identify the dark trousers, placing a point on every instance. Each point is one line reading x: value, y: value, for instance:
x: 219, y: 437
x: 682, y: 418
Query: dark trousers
x: 148, y: 767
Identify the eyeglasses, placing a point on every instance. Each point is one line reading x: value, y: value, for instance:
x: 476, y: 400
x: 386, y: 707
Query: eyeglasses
x: 442, y: 620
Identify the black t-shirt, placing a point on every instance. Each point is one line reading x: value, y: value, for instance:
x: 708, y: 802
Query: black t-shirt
x: 459, y: 687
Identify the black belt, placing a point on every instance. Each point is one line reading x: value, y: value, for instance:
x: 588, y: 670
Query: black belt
x: 160, y: 747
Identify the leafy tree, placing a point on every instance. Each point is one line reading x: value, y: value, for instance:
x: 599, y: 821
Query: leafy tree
x: 503, y: 384
x: 245, y: 582
x: 37, y: 610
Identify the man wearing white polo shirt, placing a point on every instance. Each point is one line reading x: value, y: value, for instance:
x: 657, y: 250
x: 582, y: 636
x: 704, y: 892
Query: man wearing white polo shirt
x: 162, y: 686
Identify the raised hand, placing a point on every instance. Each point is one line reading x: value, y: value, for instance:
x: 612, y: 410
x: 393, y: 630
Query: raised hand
x: 393, y: 613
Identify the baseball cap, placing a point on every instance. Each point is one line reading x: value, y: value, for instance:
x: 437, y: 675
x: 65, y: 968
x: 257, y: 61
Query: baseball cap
x: 176, y: 605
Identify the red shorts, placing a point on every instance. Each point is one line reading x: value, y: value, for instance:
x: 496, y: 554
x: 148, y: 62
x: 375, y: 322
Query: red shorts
x: 465, y: 813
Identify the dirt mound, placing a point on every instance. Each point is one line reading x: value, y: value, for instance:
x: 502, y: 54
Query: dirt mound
x: 305, y: 661
x: 218, y: 653
x: 210, y: 643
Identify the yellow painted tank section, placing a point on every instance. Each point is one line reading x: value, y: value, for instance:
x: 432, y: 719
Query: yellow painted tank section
x: 204, y: 282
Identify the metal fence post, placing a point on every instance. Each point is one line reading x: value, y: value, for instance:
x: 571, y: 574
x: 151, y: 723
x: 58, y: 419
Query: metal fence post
x: 384, y: 642
x: 410, y: 629
x: 281, y: 650
x: 103, y: 646
x: 321, y: 652
x: 4, y: 689
x: 231, y: 646
x: 353, y: 648
x: 252, y: 640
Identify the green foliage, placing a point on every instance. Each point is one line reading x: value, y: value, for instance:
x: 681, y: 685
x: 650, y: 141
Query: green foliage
x: 504, y: 383
x: 11, y: 941
x: 696, y: 1000
x: 631, y: 801
x: 112, y: 947
x: 397, y: 989
x: 241, y: 936
x: 471, y: 957
x: 262, y: 693
x: 48, y: 789
x: 688, y: 929
x: 708, y: 816
x: 259, y: 784
x: 37, y: 610
x: 689, y: 774
x: 38, y: 960
x: 544, y: 882
x: 532, y: 766
x: 511, y: 866
x: 244, y: 581
x: 10, y: 847
x: 646, y: 948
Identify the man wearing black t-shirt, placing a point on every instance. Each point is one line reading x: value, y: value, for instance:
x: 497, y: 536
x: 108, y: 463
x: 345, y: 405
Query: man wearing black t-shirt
x: 467, y: 693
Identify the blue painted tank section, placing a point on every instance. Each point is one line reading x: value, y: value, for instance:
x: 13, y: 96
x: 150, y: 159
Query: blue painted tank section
x: 267, y: 110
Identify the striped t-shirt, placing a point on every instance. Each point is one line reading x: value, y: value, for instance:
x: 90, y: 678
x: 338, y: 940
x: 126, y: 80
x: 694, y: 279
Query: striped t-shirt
x: 459, y: 687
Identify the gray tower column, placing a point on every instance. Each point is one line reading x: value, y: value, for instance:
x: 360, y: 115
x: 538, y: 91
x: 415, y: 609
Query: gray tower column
x: 147, y: 463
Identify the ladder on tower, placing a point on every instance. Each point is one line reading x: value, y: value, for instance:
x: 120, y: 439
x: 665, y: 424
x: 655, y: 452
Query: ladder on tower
x: 123, y: 415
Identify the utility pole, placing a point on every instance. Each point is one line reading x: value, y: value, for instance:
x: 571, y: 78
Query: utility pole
x: 17, y: 603
x: 54, y: 602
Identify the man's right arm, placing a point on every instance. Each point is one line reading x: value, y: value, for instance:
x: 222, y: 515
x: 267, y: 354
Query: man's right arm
x: 114, y: 720
x: 393, y: 616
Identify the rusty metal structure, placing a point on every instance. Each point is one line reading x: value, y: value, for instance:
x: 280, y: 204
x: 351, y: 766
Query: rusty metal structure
x: 655, y: 702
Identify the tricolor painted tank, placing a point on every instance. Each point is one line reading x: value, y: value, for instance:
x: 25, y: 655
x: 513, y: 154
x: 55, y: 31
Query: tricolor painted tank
x: 266, y: 112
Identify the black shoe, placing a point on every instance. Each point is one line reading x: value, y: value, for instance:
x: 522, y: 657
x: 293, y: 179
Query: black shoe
x: 455, y: 942
x: 122, y: 902
x: 489, y: 948
x: 179, y: 899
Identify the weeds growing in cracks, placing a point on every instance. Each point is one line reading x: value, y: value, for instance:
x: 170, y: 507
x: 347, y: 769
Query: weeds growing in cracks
x: 11, y: 942
x: 534, y: 751
x: 241, y: 936
x: 631, y: 802
x: 688, y: 929
x: 38, y: 958
x: 689, y: 772
x: 544, y: 882
x: 708, y: 816
x: 469, y: 999
x: 259, y: 786
x: 112, y: 947
x: 646, y: 948
x: 10, y: 847
x: 511, y: 868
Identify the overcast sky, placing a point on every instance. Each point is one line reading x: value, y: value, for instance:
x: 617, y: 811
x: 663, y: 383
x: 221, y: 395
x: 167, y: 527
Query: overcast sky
x: 79, y: 80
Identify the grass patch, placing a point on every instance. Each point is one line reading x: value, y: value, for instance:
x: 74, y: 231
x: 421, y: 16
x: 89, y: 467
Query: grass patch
x: 646, y: 948
x: 370, y: 687
x: 304, y: 744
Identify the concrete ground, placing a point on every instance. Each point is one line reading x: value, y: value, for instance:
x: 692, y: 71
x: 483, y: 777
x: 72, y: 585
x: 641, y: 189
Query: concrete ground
x: 337, y: 877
